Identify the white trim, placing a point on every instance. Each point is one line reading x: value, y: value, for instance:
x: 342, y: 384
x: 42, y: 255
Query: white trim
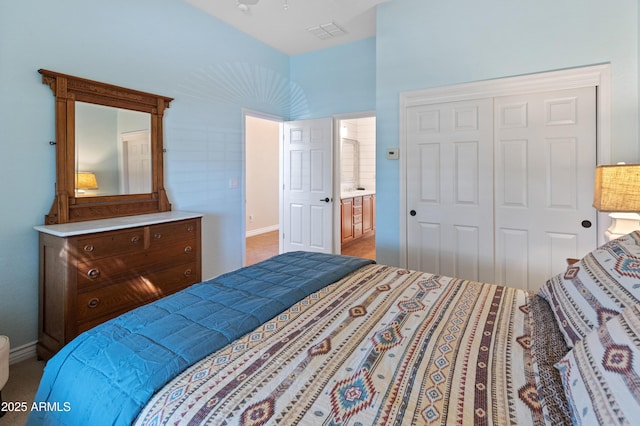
x: 265, y: 116
x: 264, y: 230
x: 598, y: 76
x: 22, y: 353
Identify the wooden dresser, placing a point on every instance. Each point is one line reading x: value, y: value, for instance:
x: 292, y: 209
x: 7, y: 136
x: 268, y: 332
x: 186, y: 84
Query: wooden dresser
x: 95, y: 270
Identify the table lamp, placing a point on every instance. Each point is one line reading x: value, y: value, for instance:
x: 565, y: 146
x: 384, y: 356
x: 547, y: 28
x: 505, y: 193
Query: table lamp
x: 617, y: 190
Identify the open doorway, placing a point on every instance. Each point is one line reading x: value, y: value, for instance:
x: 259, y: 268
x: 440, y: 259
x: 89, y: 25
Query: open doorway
x: 262, y: 168
x: 263, y: 136
x: 357, y: 147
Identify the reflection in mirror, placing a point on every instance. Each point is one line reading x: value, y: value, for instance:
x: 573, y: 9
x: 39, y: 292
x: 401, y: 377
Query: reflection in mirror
x: 113, y: 150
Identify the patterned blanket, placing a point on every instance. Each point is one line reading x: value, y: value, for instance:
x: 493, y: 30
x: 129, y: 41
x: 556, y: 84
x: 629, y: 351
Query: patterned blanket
x: 381, y: 346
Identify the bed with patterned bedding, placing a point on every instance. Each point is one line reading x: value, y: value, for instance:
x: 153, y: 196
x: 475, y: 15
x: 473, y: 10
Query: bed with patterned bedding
x: 384, y: 345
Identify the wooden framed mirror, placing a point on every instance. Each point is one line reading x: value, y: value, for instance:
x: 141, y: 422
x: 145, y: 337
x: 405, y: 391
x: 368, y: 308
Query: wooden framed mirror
x: 109, y: 150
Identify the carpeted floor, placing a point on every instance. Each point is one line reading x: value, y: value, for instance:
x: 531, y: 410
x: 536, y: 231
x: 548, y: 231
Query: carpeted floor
x: 21, y: 387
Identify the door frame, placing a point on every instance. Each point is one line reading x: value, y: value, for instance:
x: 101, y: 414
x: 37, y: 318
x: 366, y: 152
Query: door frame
x: 598, y: 76
x: 270, y: 117
x: 336, y: 118
x: 337, y: 167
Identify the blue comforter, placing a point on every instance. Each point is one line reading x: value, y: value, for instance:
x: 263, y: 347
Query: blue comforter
x: 107, y: 374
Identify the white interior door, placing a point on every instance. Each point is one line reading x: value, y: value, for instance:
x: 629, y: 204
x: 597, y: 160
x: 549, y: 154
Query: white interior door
x: 449, y: 189
x: 307, y: 217
x: 545, y: 157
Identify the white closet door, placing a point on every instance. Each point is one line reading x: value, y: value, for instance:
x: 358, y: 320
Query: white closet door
x: 545, y: 157
x: 450, y: 189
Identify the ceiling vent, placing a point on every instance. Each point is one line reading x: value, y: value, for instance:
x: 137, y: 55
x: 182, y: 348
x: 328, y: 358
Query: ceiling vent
x: 326, y: 31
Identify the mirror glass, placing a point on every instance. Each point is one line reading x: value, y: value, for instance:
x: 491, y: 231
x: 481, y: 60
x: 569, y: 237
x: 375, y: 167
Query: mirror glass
x: 350, y: 159
x: 113, y: 151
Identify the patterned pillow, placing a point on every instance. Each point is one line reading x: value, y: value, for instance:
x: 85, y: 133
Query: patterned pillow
x: 596, y: 288
x: 601, y: 374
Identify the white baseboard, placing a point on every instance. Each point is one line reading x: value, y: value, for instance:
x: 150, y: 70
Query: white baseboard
x: 22, y: 353
x: 264, y: 230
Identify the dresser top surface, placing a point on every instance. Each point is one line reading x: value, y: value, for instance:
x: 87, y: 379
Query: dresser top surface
x: 113, y: 224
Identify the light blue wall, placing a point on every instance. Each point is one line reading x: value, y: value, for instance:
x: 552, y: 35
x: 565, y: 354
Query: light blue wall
x: 165, y: 47
x: 333, y: 81
x: 422, y: 44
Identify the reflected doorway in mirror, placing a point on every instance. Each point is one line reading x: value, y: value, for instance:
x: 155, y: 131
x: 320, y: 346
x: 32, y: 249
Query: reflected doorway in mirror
x: 136, y: 163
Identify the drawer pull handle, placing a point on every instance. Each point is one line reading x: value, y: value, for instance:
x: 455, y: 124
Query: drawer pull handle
x: 157, y: 235
x: 93, y: 273
x: 135, y: 240
x: 88, y: 248
x: 190, y: 228
x: 188, y: 249
x: 93, y: 303
x: 187, y: 272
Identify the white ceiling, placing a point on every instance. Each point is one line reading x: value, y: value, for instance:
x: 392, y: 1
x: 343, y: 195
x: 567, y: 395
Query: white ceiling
x: 287, y: 30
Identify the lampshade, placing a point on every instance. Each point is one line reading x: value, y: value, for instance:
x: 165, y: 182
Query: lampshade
x: 617, y: 188
x: 86, y: 180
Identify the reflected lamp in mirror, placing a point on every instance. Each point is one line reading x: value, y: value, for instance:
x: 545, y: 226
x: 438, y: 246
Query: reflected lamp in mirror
x: 85, y: 181
x: 617, y: 191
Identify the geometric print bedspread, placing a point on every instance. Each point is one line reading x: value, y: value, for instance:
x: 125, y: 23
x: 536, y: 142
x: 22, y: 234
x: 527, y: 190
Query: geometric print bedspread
x: 381, y: 346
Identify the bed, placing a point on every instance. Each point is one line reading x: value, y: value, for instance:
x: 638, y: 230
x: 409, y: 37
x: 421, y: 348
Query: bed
x: 350, y: 342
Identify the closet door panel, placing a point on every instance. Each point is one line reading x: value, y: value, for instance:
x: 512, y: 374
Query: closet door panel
x: 545, y: 162
x: 449, y: 189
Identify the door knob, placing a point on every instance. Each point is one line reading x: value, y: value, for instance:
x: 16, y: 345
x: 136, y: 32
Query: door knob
x: 326, y: 200
x: 586, y: 224
x: 412, y: 213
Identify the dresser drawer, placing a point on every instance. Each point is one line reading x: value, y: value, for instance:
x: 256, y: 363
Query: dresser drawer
x: 110, y: 243
x: 357, y: 201
x: 135, y: 291
x: 165, y: 233
x: 102, y: 271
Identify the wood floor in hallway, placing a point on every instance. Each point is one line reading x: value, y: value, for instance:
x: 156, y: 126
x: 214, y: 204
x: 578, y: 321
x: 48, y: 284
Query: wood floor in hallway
x: 263, y: 246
